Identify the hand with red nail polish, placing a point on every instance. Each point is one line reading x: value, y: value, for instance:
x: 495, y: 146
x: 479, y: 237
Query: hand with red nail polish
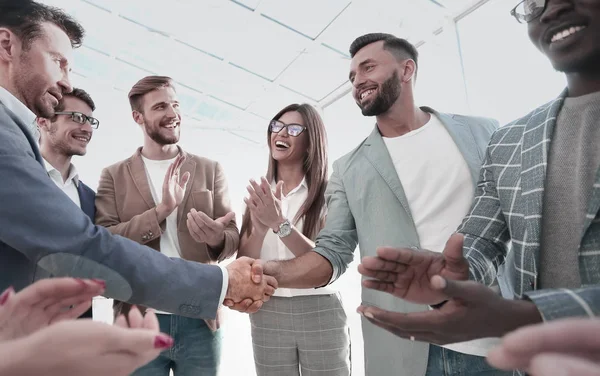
x: 43, y: 303
x: 85, y: 347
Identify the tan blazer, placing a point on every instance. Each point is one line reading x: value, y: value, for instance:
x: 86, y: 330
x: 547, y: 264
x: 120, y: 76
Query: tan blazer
x: 124, y: 205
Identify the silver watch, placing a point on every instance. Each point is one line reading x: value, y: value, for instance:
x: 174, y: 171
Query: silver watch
x: 284, y: 229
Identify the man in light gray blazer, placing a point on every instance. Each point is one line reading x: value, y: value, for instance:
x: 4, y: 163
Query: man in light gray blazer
x: 42, y: 232
x: 415, y: 162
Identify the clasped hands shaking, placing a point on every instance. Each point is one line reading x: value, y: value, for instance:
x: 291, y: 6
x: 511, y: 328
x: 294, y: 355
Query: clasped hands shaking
x: 248, y: 287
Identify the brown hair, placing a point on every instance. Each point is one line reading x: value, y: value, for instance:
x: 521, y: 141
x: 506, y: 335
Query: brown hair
x: 315, y: 171
x: 25, y: 17
x: 146, y: 85
x: 80, y: 94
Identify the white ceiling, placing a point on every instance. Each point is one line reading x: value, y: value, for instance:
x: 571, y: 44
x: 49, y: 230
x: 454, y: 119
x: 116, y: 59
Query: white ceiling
x: 238, y: 62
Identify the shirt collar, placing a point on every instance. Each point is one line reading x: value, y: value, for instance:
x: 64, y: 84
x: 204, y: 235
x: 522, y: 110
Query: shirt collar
x: 302, y: 184
x: 18, y: 108
x: 73, y: 174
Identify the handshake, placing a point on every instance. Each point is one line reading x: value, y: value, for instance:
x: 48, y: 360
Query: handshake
x: 249, y: 285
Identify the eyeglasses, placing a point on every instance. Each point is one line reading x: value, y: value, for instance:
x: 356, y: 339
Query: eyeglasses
x: 293, y: 130
x: 80, y: 118
x: 528, y: 10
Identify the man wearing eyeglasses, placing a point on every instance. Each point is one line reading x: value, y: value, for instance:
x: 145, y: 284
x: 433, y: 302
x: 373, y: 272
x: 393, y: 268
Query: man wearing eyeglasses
x: 65, y: 135
x: 538, y: 193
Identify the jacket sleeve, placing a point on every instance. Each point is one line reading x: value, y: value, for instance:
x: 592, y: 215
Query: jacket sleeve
x: 141, y: 228
x: 337, y: 241
x: 38, y: 220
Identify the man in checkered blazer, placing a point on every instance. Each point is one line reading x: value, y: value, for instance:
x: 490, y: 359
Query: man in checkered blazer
x: 534, y: 225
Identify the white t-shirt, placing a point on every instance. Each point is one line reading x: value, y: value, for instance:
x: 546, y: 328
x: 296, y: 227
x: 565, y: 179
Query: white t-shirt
x: 169, y: 241
x: 439, y: 189
x: 273, y: 247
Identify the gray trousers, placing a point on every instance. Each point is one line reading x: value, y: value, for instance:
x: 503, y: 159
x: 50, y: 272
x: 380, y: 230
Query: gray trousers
x: 305, y: 335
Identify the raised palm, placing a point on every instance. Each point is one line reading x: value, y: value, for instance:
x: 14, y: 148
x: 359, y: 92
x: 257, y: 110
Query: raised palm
x: 174, y: 185
x: 406, y: 273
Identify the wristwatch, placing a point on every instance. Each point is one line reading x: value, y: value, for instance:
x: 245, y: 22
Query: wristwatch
x: 284, y: 229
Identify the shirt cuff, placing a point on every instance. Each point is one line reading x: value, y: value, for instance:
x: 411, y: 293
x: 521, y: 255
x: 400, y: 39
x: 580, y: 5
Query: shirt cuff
x: 225, y: 284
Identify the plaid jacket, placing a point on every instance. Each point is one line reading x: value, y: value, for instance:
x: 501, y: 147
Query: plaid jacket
x: 504, y: 225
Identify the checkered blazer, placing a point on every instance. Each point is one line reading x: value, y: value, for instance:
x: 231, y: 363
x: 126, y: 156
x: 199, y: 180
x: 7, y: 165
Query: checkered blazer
x: 505, y: 222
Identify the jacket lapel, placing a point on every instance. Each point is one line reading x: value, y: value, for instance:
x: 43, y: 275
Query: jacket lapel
x: 594, y: 205
x: 464, y: 140
x: 188, y: 166
x: 87, y: 202
x: 537, y: 137
x: 140, y: 178
x: 377, y: 154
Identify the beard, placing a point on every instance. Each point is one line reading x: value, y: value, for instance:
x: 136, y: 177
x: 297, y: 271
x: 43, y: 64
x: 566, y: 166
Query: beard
x: 154, y: 131
x: 30, y: 89
x: 62, y: 146
x: 386, y: 97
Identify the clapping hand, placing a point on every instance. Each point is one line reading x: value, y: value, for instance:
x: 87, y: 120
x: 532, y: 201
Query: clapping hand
x: 43, y: 303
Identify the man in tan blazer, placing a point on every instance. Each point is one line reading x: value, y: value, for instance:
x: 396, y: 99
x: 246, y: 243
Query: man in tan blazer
x: 176, y: 203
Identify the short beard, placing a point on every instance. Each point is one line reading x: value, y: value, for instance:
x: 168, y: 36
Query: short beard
x: 155, y: 135
x: 387, y: 96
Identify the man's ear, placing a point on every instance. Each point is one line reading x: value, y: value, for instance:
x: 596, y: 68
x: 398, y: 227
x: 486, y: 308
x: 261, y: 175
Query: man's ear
x: 409, y: 70
x: 137, y: 117
x: 42, y: 123
x: 8, y: 44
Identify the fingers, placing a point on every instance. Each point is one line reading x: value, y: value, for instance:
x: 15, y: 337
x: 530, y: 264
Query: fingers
x: 50, y: 291
x: 74, y: 312
x: 562, y: 365
x: 150, y: 320
x: 406, y: 256
x: 271, y: 285
x: 425, y: 321
x: 206, y: 222
x: 254, y: 197
x: 226, y: 219
x: 137, y: 341
x: 387, y: 271
x: 465, y: 290
x: 184, y: 181
x: 257, y: 272
x: 378, y: 285
x: 196, y: 230
x: 576, y: 337
x: 260, y: 191
x: 255, y: 307
x: 121, y: 321
x: 279, y: 190
x: 135, y: 318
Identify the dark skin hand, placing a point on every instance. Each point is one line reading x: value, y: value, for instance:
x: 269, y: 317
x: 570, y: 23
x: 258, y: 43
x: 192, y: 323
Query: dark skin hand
x: 472, y: 311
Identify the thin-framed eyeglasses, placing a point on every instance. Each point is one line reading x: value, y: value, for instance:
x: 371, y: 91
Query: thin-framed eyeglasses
x: 528, y: 10
x: 80, y: 118
x: 293, y: 130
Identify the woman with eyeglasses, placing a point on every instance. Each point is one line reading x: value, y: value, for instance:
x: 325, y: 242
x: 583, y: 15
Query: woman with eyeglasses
x: 298, y: 329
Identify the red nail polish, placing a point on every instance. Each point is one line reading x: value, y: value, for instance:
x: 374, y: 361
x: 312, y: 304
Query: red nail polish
x: 5, y: 294
x: 163, y: 342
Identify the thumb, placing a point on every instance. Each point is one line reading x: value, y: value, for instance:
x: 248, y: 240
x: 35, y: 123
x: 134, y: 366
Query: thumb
x: 226, y: 218
x: 257, y: 271
x: 184, y: 180
x: 463, y: 290
x: 279, y: 190
x: 455, y: 260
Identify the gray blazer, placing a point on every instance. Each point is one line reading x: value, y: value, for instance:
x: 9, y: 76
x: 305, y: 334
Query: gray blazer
x: 367, y: 206
x: 43, y: 233
x: 508, y: 209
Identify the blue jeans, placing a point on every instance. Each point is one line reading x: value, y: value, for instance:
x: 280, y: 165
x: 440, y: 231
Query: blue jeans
x: 444, y: 362
x: 196, y: 352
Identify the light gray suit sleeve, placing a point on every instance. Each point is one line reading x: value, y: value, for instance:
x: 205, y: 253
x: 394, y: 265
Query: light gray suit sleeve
x: 41, y: 222
x: 338, y: 239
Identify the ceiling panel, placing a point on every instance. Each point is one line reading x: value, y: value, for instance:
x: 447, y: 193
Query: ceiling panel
x: 309, y: 17
x: 316, y: 73
x: 274, y: 100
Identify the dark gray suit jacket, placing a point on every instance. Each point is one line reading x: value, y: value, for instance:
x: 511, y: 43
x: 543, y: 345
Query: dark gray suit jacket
x: 43, y: 233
